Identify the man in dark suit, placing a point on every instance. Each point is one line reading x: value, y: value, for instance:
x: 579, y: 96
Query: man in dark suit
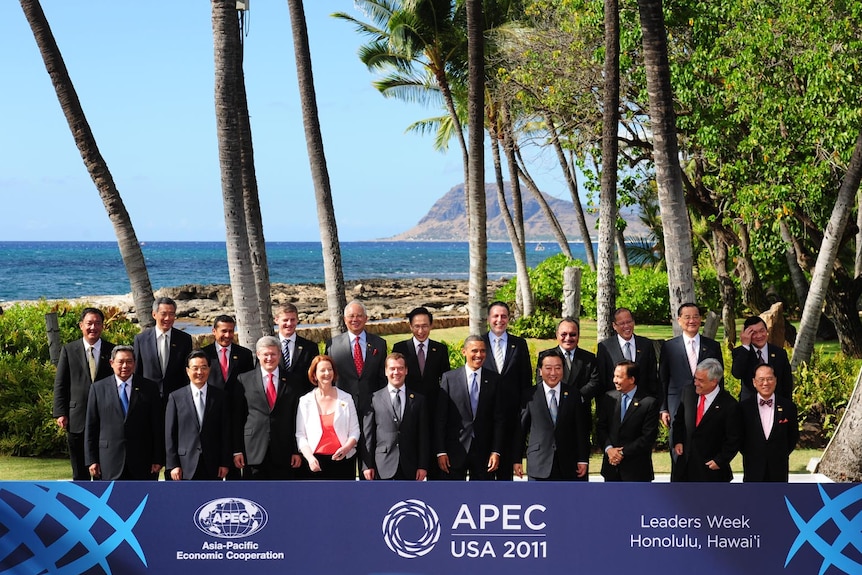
x: 264, y: 444
x: 553, y: 423
x: 509, y: 357
x: 580, y: 370
x: 124, y: 437
x: 358, y: 357
x: 468, y: 430
x: 770, y: 430
x: 627, y: 427
x: 161, y: 351
x: 226, y: 359
x: 677, y: 362
x: 197, y: 430
x: 396, y: 430
x: 755, y: 351
x: 82, y: 362
x: 296, y: 351
x: 625, y: 345
x: 707, y: 428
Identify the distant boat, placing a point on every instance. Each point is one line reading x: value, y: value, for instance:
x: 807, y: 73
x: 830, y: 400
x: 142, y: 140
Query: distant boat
x: 540, y: 247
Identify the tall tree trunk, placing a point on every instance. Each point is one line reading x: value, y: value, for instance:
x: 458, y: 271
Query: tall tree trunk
x: 749, y: 280
x: 519, y: 250
x: 797, y: 276
x: 857, y: 268
x: 477, y: 210
x: 842, y: 459
x: 228, y: 63
x: 606, y: 289
x: 333, y: 273
x: 251, y: 205
x: 840, y: 306
x: 572, y: 183
x: 826, y: 259
x: 97, y: 167
x: 622, y: 253
x: 677, y: 229
x: 553, y: 222
x: 725, y: 286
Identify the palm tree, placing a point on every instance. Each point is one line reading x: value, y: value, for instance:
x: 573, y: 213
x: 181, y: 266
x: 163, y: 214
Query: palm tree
x: 130, y: 248
x: 332, y: 270
x: 228, y: 63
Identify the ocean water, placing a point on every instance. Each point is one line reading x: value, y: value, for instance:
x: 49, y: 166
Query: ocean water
x: 30, y: 270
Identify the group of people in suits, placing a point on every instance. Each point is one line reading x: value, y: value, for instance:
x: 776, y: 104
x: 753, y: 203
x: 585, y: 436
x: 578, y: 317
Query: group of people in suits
x: 283, y: 411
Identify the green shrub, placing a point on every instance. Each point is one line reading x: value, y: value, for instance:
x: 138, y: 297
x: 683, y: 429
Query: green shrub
x: 539, y: 326
x: 646, y: 294
x: 821, y: 390
x: 456, y: 358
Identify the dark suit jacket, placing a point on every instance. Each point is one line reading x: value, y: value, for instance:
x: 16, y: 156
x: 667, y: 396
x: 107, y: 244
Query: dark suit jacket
x: 372, y: 378
x: 745, y: 362
x: 147, y: 363
x: 584, y: 377
x: 259, y: 431
x: 457, y: 431
x: 124, y: 447
x: 566, y: 441
x: 767, y: 459
x: 72, y: 382
x: 717, y: 438
x: 304, y: 350
x: 609, y: 354
x: 636, y: 434
x: 436, y: 364
x: 198, y: 450
x: 674, y: 370
x: 389, y: 444
x: 241, y: 359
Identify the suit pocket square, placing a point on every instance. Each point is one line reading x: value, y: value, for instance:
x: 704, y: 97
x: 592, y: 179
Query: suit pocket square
x: 782, y: 421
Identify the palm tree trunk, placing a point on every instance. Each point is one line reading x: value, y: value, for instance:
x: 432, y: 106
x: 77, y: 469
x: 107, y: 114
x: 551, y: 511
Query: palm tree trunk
x: 476, y: 208
x: 130, y: 248
x: 826, y: 258
x: 553, y: 222
x: 677, y: 229
x: 228, y: 63
x: 332, y: 270
x: 606, y: 289
x: 622, y: 253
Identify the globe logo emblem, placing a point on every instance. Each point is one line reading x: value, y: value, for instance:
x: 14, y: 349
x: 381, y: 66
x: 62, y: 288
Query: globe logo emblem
x: 839, y: 548
x: 230, y: 518
x: 411, y: 528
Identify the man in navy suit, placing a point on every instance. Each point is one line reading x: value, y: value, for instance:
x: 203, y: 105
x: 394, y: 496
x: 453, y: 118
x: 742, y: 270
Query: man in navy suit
x: 264, y: 443
x: 625, y: 345
x: 161, y: 351
x: 509, y: 357
x: 82, y: 362
x: 396, y: 430
x: 771, y: 430
x: 226, y: 359
x: 678, y: 360
x: 756, y: 351
x: 124, y: 436
x: 197, y: 431
x: 553, y: 423
x: 296, y: 351
x: 468, y: 430
x: 424, y: 376
x: 707, y: 428
x: 627, y: 427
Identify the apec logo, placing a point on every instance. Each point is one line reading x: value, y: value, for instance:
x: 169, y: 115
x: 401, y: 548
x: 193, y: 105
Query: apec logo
x: 416, y: 543
x: 230, y: 518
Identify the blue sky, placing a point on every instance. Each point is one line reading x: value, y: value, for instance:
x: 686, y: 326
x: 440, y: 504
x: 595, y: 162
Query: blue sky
x: 144, y: 75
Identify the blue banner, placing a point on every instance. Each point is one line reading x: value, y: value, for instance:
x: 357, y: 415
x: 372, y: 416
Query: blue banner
x: 449, y: 528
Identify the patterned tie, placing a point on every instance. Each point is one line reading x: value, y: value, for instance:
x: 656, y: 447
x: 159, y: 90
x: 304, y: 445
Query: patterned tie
x: 420, y: 355
x: 396, y: 405
x: 164, y: 354
x: 499, y: 355
x: 474, y: 394
x: 553, y: 407
x: 200, y: 405
x: 759, y: 357
x: 766, y: 402
x: 91, y: 361
x: 270, y: 391
x: 628, y: 352
x: 692, y: 356
x: 124, y: 398
x: 569, y: 360
x: 700, y: 405
x: 625, y: 405
x: 357, y: 357
x: 285, y: 351
x: 223, y: 362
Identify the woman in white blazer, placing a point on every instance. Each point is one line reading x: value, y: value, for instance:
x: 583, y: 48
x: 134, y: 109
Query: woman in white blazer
x: 327, y: 428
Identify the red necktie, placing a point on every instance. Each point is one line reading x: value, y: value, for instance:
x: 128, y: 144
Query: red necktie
x: 223, y: 362
x: 357, y: 357
x: 700, y: 405
x: 270, y: 392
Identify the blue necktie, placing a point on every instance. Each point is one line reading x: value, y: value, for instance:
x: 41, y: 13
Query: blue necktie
x: 124, y: 399
x: 553, y: 407
x: 625, y: 406
x: 474, y: 394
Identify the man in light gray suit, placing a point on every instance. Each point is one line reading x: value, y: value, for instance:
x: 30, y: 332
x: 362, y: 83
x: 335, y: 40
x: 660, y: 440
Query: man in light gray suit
x: 396, y: 429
